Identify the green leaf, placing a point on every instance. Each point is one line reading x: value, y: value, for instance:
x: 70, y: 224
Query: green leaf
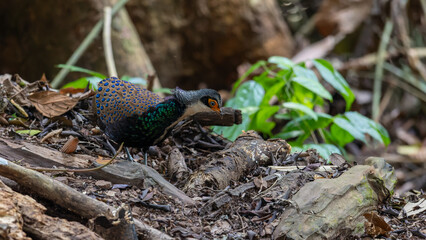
x: 28, y: 132
x: 281, y: 62
x: 307, y: 123
x: 272, y: 91
x: 340, y: 136
x: 382, y: 131
x: 260, y: 120
x: 83, y: 70
x: 79, y: 83
x: 250, y: 94
x: 234, y: 131
x: 369, y: 127
x: 336, y: 80
x: 305, y: 73
x: 347, y: 126
x: 302, y: 108
x: 245, y: 75
x: 82, y: 83
x: 247, y: 98
x: 288, y: 135
x: 308, y: 79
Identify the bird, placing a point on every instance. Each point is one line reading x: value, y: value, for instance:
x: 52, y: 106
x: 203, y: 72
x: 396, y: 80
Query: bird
x: 132, y: 115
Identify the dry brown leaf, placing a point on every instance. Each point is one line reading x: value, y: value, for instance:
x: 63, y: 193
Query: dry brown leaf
x: 337, y: 159
x: 51, y: 134
x: 14, y: 91
x: 260, y: 183
x: 70, y: 146
x: 100, y: 160
x: 52, y: 104
x: 375, y: 225
x: 43, y: 78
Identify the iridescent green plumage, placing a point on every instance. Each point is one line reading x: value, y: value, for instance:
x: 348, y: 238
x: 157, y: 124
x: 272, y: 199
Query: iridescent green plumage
x: 139, y: 118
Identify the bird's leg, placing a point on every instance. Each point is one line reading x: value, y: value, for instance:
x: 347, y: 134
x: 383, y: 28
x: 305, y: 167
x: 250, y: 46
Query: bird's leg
x: 145, y: 156
x: 129, y: 156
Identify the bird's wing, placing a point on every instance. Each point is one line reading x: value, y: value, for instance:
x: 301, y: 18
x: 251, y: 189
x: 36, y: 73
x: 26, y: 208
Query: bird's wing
x: 116, y: 99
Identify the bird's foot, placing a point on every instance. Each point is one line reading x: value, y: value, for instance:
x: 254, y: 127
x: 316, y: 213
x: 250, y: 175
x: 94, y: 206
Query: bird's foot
x: 129, y: 156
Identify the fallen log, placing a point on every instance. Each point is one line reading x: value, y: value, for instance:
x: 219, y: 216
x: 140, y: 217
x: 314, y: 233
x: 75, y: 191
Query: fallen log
x: 121, y: 172
x: 334, y: 208
x: 68, y: 198
x: 21, y: 214
x: 248, y: 151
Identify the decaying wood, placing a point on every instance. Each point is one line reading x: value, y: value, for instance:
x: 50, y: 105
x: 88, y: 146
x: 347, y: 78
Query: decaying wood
x: 225, y: 197
x: 116, y: 226
x: 280, y: 187
x: 227, y: 117
x: 334, y: 208
x: 248, y: 151
x: 142, y: 176
x: 121, y: 172
x: 21, y: 213
x: 67, y: 197
x: 177, y: 166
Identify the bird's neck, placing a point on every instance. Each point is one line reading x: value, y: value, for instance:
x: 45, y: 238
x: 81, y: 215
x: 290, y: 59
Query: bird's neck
x: 176, y: 111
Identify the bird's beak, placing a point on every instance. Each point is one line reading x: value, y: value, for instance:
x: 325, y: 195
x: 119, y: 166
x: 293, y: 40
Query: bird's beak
x: 216, y: 109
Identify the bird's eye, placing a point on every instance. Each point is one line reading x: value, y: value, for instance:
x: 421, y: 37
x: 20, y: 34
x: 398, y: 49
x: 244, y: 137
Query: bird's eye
x: 212, y: 102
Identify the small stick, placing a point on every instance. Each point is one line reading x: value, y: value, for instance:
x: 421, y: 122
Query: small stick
x: 78, y: 170
x: 109, y: 57
x: 20, y: 109
x: 84, y: 45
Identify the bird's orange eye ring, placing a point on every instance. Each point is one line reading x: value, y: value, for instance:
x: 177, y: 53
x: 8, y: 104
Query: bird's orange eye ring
x: 212, y: 102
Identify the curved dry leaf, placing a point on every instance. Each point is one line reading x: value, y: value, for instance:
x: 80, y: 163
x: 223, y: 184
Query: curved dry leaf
x: 52, y: 104
x: 375, y: 225
x: 70, y: 146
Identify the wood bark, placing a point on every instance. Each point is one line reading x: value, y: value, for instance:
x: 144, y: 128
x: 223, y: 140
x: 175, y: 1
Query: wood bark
x: 121, y: 172
x: 22, y: 214
x: 67, y: 197
x: 248, y: 150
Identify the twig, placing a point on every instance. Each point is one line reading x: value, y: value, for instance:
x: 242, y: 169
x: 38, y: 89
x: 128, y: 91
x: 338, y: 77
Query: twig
x: 109, y: 56
x: 371, y: 58
x: 67, y: 197
x: 84, y: 45
x: 413, y: 83
x: 378, y: 75
x: 20, y: 109
x: 78, y: 170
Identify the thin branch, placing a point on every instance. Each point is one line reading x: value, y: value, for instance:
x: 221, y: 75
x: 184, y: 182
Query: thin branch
x: 378, y: 75
x: 57, y: 81
x: 109, y: 56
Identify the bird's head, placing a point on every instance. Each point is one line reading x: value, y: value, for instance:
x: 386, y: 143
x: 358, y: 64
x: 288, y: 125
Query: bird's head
x: 203, y: 100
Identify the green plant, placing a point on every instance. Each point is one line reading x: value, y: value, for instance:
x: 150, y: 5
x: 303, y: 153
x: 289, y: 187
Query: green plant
x: 96, y: 77
x: 288, y: 91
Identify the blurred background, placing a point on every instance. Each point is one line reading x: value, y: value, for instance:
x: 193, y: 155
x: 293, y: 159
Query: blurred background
x: 211, y: 43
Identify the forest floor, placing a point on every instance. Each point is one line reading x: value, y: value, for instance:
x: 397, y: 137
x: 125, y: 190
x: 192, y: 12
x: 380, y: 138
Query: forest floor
x: 251, y: 209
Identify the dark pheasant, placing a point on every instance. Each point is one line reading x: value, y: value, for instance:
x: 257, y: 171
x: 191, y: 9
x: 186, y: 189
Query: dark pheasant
x: 140, y: 118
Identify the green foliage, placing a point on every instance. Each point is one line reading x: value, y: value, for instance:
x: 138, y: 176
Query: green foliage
x: 92, y: 80
x: 288, y: 91
x: 96, y: 77
x: 28, y: 132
